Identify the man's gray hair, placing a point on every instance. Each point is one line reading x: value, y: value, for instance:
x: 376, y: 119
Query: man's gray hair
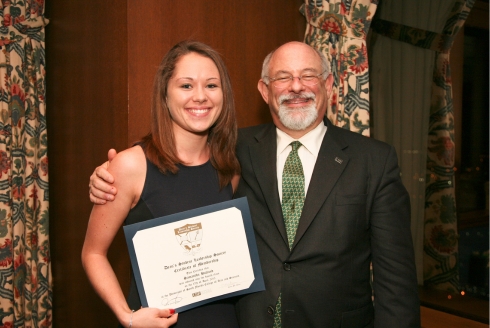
x: 265, y: 66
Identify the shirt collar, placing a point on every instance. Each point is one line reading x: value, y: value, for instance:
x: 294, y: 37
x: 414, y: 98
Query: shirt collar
x: 312, y: 141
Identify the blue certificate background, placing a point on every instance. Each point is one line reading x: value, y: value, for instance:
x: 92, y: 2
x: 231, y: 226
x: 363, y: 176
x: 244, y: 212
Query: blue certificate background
x: 241, y: 204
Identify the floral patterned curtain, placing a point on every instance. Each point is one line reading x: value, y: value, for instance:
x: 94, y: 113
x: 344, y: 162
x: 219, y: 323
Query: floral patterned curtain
x: 339, y: 28
x: 25, y: 264
x: 440, y: 224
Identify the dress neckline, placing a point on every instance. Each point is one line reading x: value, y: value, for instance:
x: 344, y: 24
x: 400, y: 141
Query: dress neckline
x: 195, y: 166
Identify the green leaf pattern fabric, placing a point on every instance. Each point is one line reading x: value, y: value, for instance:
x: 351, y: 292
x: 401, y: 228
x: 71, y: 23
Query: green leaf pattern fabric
x: 338, y: 28
x: 441, y: 233
x: 440, y: 221
x: 25, y: 263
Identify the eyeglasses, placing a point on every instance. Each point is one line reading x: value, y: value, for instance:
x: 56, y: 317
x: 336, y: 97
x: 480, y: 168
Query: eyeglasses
x: 283, y: 80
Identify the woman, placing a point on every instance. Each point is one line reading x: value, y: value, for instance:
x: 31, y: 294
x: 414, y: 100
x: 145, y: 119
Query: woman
x: 186, y: 161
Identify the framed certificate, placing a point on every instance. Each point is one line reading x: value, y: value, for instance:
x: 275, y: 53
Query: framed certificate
x: 191, y: 258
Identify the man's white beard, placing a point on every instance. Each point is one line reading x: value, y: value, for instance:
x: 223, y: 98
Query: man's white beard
x: 299, y: 118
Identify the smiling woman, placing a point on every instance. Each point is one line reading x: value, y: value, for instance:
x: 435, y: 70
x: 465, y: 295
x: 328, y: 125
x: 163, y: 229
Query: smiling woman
x: 186, y: 161
x: 174, y: 73
x: 194, y: 95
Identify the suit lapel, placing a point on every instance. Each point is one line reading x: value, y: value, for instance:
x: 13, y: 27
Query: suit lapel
x: 263, y: 158
x: 329, y: 166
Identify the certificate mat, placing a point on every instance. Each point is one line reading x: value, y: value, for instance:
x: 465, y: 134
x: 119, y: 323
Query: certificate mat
x: 188, y: 259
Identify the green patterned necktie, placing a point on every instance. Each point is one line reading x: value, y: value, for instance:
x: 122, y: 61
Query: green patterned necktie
x: 293, y: 198
x: 293, y: 191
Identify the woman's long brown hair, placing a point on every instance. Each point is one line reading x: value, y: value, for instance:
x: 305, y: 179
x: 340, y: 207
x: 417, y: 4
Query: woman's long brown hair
x: 159, y: 144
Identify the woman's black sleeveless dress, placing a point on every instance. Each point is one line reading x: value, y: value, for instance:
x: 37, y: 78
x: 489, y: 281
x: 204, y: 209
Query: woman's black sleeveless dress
x: 165, y: 194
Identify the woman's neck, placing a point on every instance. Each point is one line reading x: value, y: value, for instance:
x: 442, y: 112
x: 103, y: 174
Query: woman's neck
x: 192, y: 149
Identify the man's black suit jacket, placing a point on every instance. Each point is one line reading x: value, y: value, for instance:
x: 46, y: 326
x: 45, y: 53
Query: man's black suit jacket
x: 356, y: 211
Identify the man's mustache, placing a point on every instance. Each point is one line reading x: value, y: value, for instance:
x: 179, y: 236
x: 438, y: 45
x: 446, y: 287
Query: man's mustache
x: 304, y: 95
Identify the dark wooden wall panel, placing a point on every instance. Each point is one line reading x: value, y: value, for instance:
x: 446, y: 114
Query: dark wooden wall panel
x: 86, y: 50
x: 244, y: 32
x: 101, y: 59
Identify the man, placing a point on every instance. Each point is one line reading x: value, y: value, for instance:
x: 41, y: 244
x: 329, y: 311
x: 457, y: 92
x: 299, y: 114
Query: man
x: 316, y: 245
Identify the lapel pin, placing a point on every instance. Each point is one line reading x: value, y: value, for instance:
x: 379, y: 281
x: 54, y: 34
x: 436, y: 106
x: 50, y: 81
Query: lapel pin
x: 339, y: 160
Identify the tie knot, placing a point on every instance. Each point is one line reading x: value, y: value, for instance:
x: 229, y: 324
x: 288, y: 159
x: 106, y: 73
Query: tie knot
x: 295, y: 145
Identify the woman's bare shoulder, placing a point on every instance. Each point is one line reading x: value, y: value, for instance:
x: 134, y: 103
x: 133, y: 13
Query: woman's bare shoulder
x: 128, y: 162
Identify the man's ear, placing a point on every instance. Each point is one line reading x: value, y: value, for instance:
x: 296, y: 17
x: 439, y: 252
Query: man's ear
x: 264, y: 90
x: 329, y: 85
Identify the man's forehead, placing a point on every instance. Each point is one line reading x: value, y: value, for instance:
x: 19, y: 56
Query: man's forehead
x: 297, y: 59
x: 302, y: 69
x: 295, y: 68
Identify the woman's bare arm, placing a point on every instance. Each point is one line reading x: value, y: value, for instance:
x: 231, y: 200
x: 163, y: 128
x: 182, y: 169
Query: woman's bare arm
x: 129, y: 170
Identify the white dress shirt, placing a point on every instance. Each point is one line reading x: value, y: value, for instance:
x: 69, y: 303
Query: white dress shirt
x: 308, y: 152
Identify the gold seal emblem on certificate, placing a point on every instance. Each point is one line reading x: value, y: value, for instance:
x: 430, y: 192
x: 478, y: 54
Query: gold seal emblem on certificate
x: 189, y: 237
